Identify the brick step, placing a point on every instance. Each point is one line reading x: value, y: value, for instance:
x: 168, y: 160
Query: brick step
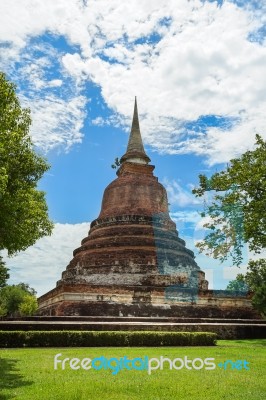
x: 101, y: 318
x: 237, y: 330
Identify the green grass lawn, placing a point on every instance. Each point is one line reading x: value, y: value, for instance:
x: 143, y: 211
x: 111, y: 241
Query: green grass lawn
x: 27, y: 374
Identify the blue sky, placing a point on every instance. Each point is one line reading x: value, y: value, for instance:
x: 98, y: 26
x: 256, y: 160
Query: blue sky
x: 198, y: 70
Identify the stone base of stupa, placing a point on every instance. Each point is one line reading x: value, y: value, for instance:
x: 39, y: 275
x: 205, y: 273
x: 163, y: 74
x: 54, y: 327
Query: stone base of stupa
x: 130, y: 301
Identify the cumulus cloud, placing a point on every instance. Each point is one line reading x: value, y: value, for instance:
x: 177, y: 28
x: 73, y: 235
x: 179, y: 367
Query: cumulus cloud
x: 56, y: 122
x: 178, y: 196
x: 41, y: 265
x: 56, y: 103
x: 183, y: 59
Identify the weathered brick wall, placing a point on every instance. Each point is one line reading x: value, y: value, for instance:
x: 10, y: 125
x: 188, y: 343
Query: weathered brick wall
x: 134, y: 193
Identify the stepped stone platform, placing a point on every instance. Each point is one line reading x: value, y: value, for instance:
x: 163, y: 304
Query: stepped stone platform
x: 145, y: 301
x: 225, y: 328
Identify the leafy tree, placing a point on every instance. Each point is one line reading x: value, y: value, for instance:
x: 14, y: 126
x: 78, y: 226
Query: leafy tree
x: 237, y: 214
x: 23, y: 211
x: 17, y: 300
x: 26, y: 287
x: 256, y: 280
x: 3, y: 309
x: 28, y: 306
x: 4, y: 275
x: 238, y: 285
x: 10, y: 299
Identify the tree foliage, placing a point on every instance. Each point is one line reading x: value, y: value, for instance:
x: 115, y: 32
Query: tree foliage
x: 237, y: 210
x: 256, y: 280
x: 28, y: 306
x: 23, y: 209
x: 17, y: 300
x: 4, y: 275
x: 237, y: 216
x: 238, y: 285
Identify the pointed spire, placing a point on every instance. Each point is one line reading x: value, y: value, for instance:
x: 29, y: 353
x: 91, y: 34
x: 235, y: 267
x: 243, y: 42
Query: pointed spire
x: 135, y: 140
x: 135, y: 150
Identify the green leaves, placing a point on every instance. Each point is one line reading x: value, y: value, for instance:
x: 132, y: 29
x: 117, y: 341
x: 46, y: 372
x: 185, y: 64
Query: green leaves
x: 237, y: 215
x: 28, y: 306
x: 4, y: 275
x: 17, y: 300
x: 256, y: 279
x: 238, y: 285
x: 23, y: 209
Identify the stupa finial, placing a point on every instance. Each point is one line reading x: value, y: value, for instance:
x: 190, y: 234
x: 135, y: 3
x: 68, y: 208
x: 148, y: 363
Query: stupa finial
x: 135, y: 150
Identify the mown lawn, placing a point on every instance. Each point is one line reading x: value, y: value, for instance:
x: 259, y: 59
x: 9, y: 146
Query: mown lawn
x: 27, y: 374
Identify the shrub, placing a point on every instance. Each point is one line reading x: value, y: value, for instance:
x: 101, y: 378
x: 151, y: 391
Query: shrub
x: 104, y: 339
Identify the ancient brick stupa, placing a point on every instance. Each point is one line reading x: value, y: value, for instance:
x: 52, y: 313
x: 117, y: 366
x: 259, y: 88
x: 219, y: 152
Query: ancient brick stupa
x: 133, y: 263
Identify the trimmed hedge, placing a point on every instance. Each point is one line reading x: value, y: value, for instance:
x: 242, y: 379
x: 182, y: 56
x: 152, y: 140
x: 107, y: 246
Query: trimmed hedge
x: 104, y: 338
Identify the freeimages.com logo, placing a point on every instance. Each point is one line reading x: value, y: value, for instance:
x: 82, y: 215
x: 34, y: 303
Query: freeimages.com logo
x: 144, y: 363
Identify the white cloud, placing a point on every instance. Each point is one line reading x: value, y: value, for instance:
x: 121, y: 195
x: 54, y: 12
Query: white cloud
x: 57, y: 106
x: 98, y: 121
x: 62, y: 123
x: 41, y: 265
x: 178, y: 196
x: 199, y: 62
x: 55, y: 83
x: 186, y: 216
